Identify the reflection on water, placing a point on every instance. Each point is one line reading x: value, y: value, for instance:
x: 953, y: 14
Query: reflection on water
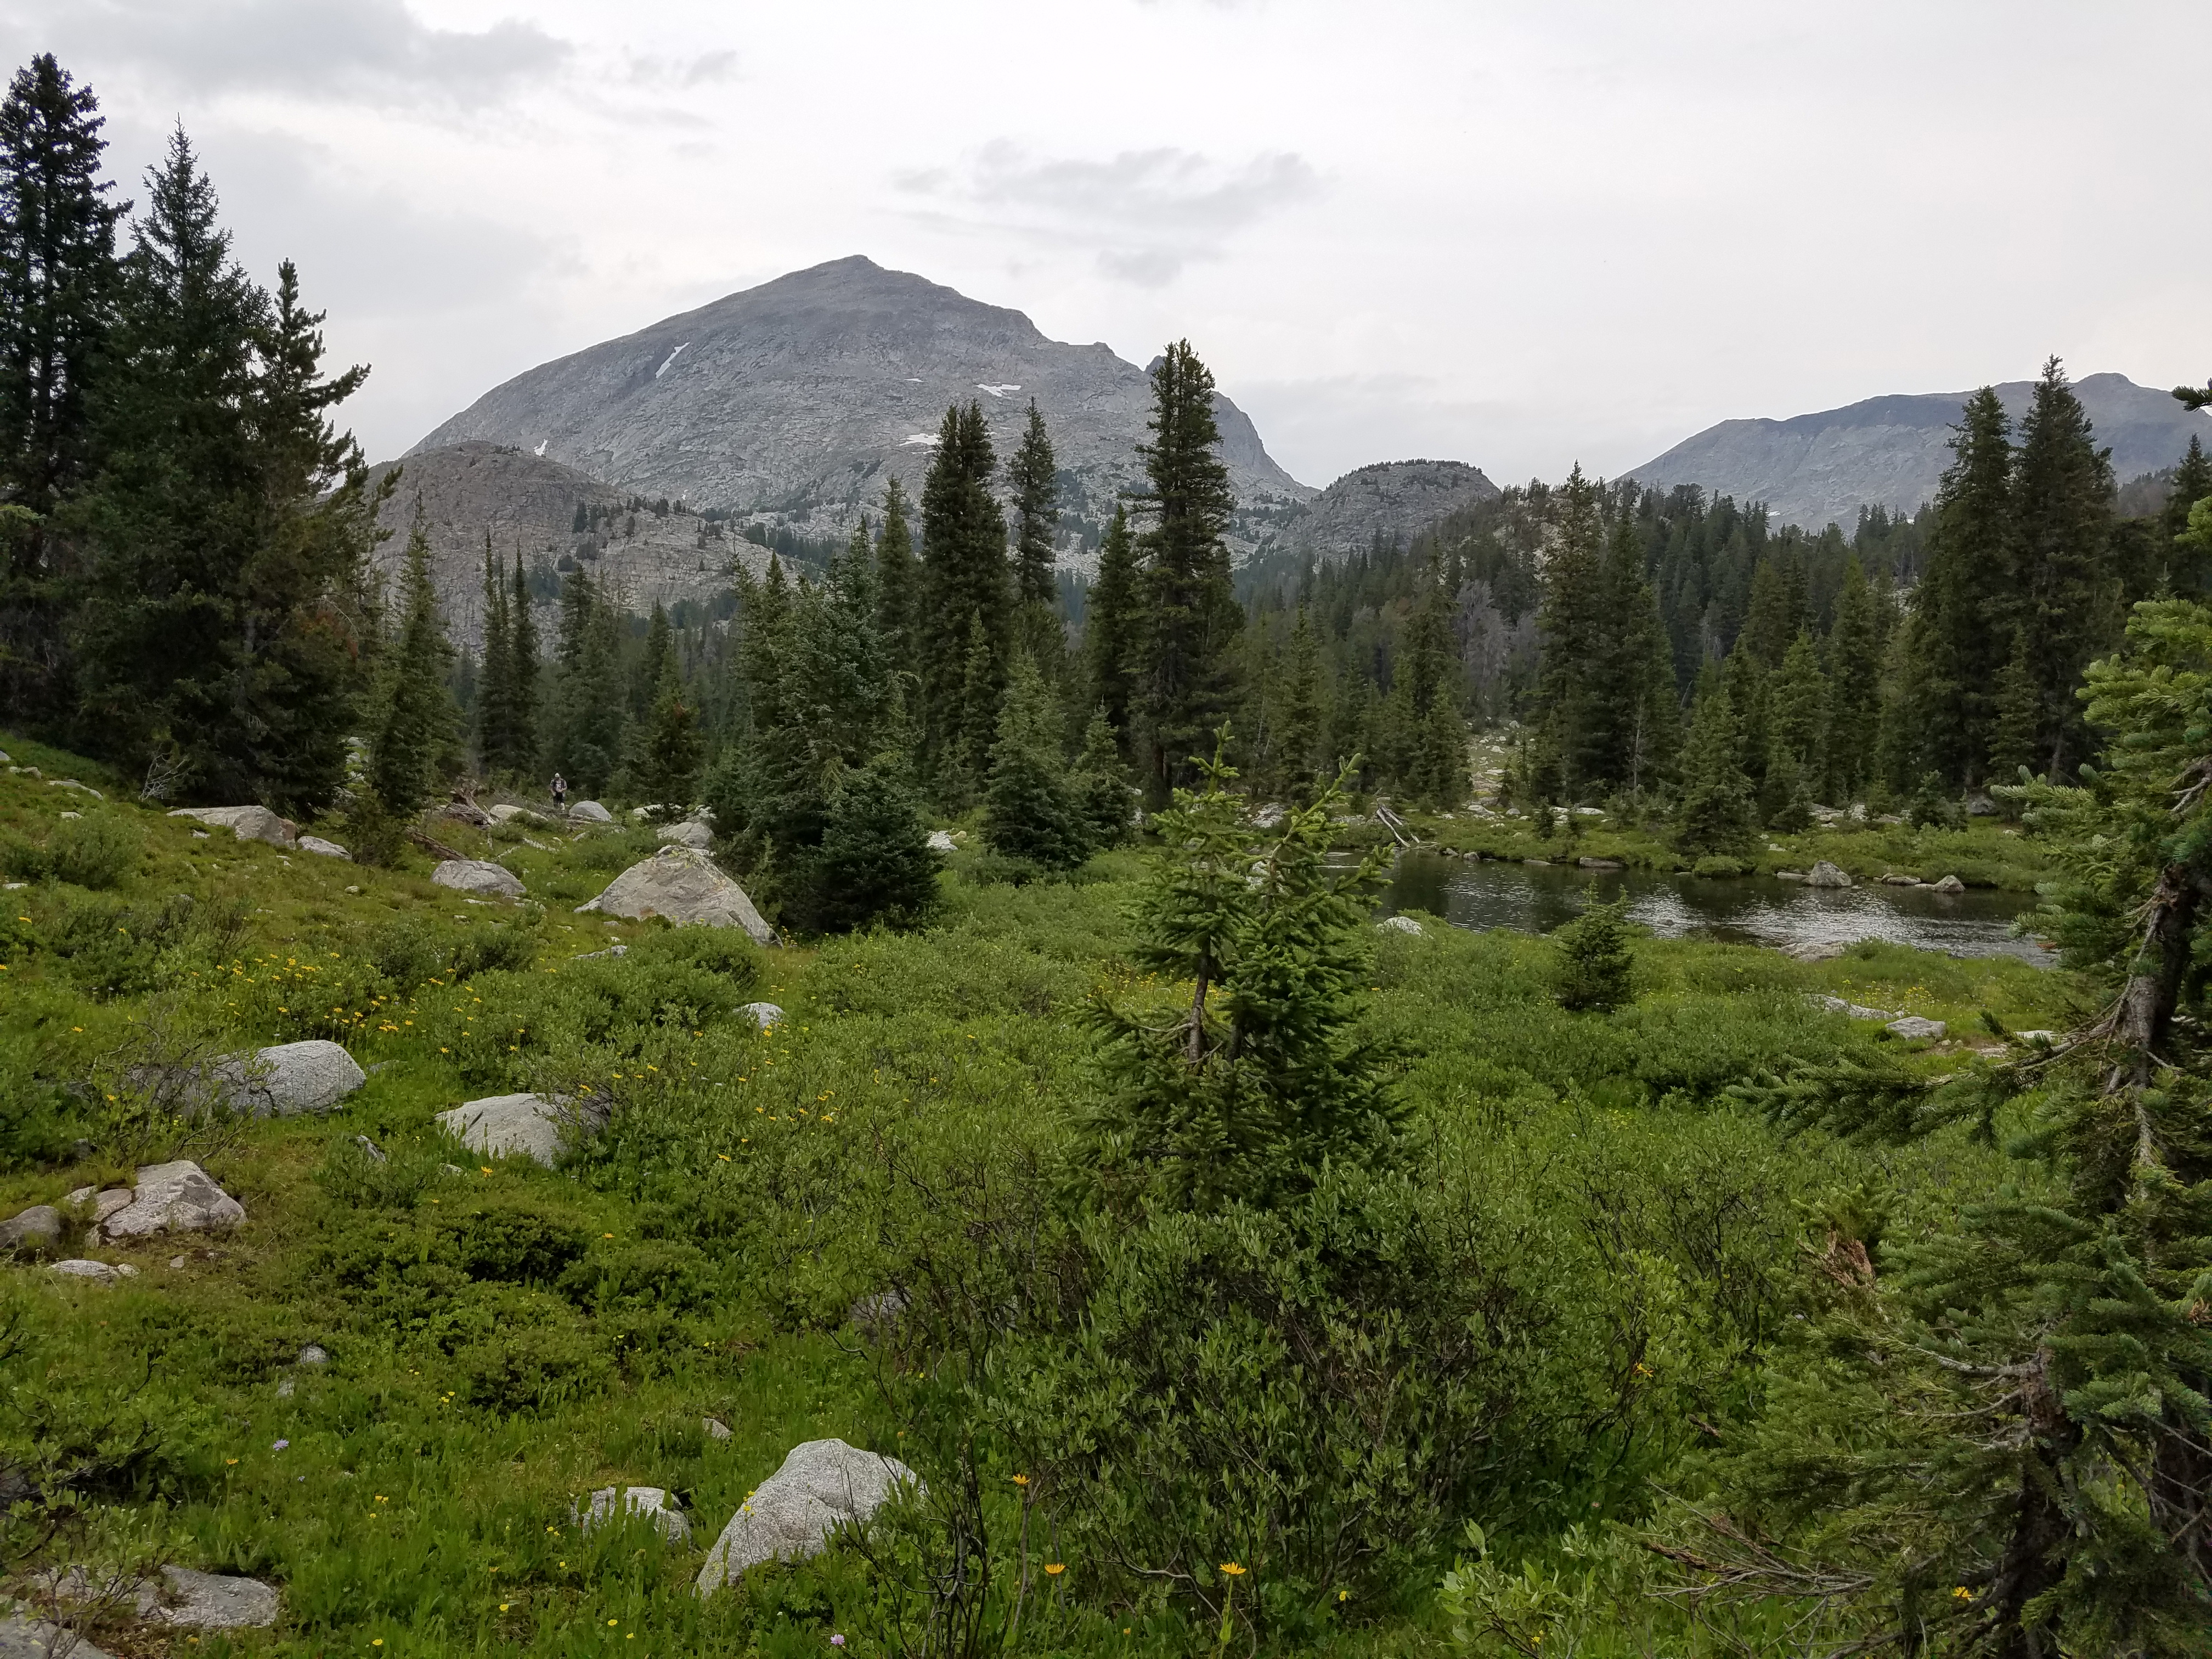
x: 1536, y: 898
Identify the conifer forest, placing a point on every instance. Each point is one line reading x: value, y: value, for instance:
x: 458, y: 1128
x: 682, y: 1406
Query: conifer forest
x: 950, y: 1131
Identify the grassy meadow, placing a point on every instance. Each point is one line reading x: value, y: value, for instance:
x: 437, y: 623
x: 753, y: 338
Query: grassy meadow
x: 504, y: 1338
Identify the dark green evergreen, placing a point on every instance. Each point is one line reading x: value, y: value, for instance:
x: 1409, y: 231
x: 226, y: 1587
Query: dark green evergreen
x: 59, y: 289
x: 1716, y: 814
x: 412, y: 720
x: 1114, y: 630
x: 874, y: 866
x: 1596, y: 970
x: 964, y: 580
x: 898, y: 588
x: 1099, y: 790
x: 2067, y: 600
x: 1030, y: 815
x: 1187, y: 652
x: 1966, y: 600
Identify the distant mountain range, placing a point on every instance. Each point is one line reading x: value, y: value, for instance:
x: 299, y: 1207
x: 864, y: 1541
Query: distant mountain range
x: 794, y: 403
x: 1813, y: 470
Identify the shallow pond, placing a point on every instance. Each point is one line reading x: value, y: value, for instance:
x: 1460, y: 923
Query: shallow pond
x: 1534, y: 898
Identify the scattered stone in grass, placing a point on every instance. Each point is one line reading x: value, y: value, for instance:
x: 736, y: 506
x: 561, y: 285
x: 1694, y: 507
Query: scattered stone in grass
x: 683, y: 886
x: 531, y: 1124
x: 247, y: 823
x: 23, y: 1636
x: 34, y: 1229
x: 289, y: 1078
x: 822, y: 1485
x: 762, y: 1014
x: 590, y: 812
x: 610, y: 1503
x: 716, y: 1429
x: 73, y: 814
x: 313, y: 1354
x: 208, y: 1601
x: 375, y: 1153
x: 1399, y: 925
x: 1914, y: 1026
x: 1815, y: 951
x: 101, y: 1272
x: 329, y: 849
x: 478, y: 875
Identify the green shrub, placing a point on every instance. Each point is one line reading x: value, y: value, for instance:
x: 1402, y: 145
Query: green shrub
x: 111, y: 948
x: 22, y: 859
x: 404, y: 952
x: 499, y: 948
x: 95, y: 851
x: 530, y: 1369
x: 725, y: 951
x: 515, y: 1244
x: 1719, y: 864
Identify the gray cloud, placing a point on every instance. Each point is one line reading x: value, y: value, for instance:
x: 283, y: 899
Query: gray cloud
x: 1147, y: 212
x: 373, y: 51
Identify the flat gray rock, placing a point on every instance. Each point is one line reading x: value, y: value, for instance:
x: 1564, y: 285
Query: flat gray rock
x: 531, y: 1124
x: 478, y: 875
x: 101, y: 1273
x: 683, y: 885
x: 321, y: 848
x: 247, y: 823
x: 1824, y: 874
x: 174, y: 1198
x: 1913, y: 1026
x: 35, y: 1228
x: 688, y: 834
x: 609, y: 1503
x: 289, y: 1078
x: 208, y: 1601
x: 102, y: 1204
x: 590, y: 812
x: 822, y: 1485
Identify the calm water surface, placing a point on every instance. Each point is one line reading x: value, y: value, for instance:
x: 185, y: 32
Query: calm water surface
x: 1756, y: 910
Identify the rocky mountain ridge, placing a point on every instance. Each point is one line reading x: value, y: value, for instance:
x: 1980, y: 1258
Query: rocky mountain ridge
x: 1813, y: 470
x: 794, y: 403
x: 1393, y: 499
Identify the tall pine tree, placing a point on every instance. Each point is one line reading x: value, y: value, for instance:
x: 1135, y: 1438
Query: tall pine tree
x: 963, y: 580
x: 2060, y: 526
x: 412, y: 717
x: 1961, y: 609
x: 1188, y: 651
x: 59, y: 282
x: 1114, y: 629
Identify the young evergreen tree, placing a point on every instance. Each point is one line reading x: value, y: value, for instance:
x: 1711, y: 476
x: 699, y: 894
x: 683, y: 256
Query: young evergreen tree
x: 1716, y: 815
x: 963, y: 582
x: 1034, y: 474
x: 525, y: 673
x: 1854, y: 715
x: 2061, y: 529
x: 1797, y: 735
x: 1266, y: 1078
x: 1570, y: 752
x: 1028, y: 814
x: 1299, y: 722
x: 495, y: 699
x: 874, y: 866
x: 1099, y: 790
x: 898, y: 587
x: 412, y: 719
x: 59, y: 283
x: 967, y: 749
x: 2016, y: 738
x: 669, y: 776
x: 1114, y: 629
x: 588, y: 712
x: 1189, y: 649
x: 2187, y: 572
x: 1595, y: 970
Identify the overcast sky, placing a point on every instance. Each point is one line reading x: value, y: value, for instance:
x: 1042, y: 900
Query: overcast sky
x: 1514, y: 234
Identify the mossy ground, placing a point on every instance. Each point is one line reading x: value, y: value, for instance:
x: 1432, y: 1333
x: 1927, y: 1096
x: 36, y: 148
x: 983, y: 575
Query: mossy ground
x: 506, y: 1338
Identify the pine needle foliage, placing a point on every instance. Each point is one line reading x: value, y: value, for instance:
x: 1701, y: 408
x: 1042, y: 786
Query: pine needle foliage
x: 1259, y: 1078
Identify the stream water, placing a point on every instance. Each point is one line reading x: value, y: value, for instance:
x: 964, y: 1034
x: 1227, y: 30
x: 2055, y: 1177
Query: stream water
x: 1757, y: 910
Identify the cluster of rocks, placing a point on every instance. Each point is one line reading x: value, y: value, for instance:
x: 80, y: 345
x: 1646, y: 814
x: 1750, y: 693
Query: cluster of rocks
x: 177, y: 1197
x: 1907, y: 1026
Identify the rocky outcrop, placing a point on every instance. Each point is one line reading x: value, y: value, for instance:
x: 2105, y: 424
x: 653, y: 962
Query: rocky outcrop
x: 681, y: 885
x: 1394, y: 500
x: 174, y: 1198
x: 247, y: 823
x: 536, y: 1126
x: 687, y: 834
x: 794, y: 403
x: 1890, y: 453
x: 208, y: 1601
x: 1824, y: 874
x: 822, y: 1485
x: 478, y: 875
